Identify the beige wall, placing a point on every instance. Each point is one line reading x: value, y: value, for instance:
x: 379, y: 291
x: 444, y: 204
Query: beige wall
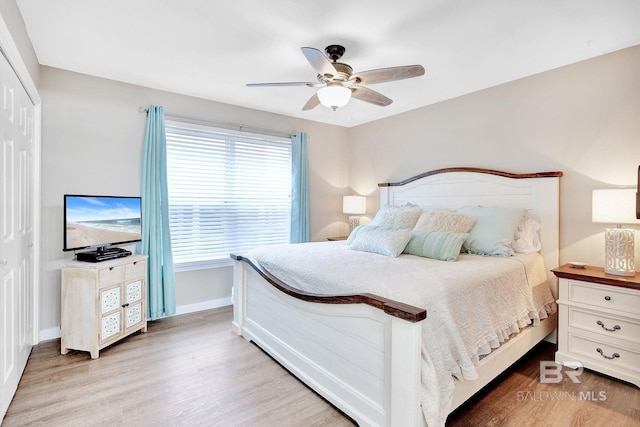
x: 92, y: 138
x: 583, y: 119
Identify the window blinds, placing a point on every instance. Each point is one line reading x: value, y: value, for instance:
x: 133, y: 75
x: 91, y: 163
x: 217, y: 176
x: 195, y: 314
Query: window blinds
x: 228, y: 192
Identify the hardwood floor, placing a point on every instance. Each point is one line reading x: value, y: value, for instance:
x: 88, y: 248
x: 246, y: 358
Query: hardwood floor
x: 517, y: 398
x: 188, y: 370
x: 192, y: 370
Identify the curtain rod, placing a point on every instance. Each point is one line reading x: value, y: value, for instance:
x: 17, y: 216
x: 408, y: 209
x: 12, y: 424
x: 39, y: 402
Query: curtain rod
x: 240, y: 126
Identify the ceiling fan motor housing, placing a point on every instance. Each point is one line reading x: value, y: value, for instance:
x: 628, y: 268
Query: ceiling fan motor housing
x: 344, y: 73
x: 334, y: 51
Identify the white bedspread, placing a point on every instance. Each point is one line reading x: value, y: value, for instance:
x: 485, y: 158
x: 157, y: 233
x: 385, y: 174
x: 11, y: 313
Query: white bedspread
x: 473, y: 304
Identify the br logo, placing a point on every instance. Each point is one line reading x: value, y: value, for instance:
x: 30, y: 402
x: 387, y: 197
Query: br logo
x: 551, y: 372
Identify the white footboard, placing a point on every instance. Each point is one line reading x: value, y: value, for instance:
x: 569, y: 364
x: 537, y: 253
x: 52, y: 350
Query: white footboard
x: 359, y: 357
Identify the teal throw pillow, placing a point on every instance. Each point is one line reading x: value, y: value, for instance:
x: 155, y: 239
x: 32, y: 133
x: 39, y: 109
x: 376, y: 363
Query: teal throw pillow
x: 436, y: 244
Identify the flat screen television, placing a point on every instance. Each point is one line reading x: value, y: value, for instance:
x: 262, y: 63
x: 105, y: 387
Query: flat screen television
x: 101, y: 221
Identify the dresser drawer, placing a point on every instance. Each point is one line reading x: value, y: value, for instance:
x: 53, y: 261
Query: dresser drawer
x: 110, y: 275
x: 605, y: 354
x: 605, y: 324
x: 135, y: 270
x: 609, y: 297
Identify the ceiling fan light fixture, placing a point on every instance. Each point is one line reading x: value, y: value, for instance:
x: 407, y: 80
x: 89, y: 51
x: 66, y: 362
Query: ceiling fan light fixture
x: 334, y: 96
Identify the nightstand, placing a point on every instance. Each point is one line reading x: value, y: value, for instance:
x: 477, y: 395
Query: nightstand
x: 599, y: 321
x: 334, y: 239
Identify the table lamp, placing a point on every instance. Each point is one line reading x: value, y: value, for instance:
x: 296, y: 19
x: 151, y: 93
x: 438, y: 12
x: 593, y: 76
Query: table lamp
x: 354, y: 206
x: 617, y: 206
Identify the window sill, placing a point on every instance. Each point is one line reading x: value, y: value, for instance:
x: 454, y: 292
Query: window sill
x: 203, y: 265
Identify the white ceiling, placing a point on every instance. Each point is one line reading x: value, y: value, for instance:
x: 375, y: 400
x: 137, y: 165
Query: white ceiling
x: 211, y: 49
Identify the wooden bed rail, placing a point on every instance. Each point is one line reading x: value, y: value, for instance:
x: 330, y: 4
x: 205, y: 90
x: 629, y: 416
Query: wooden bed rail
x: 393, y: 308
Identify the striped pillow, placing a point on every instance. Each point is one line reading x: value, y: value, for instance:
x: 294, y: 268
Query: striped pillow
x: 436, y: 244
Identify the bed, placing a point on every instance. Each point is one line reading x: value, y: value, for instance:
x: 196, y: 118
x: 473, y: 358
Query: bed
x: 364, y: 351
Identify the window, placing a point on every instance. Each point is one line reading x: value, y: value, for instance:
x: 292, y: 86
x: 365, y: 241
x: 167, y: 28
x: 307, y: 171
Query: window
x: 228, y: 192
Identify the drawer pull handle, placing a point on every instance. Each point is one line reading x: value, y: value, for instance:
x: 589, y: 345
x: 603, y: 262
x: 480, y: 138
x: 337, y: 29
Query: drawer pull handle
x: 607, y: 298
x: 110, y: 268
x: 614, y: 356
x: 615, y: 327
x: 125, y: 305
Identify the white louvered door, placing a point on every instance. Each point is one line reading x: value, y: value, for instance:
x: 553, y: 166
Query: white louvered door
x: 17, y: 284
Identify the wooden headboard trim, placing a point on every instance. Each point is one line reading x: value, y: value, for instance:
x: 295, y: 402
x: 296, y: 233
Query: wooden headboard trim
x: 477, y: 170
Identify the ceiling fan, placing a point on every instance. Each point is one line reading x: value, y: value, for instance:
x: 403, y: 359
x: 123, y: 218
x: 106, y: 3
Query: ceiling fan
x: 338, y: 83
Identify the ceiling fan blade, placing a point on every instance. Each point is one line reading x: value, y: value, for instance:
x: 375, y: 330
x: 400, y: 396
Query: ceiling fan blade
x: 313, y: 102
x: 309, y: 84
x: 370, y: 96
x: 319, y: 61
x: 388, y: 74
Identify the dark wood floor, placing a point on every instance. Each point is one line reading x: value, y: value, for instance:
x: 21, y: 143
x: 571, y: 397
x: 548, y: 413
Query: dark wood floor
x: 191, y: 370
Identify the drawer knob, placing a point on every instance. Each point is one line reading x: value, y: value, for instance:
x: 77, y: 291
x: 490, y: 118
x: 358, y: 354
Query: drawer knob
x: 613, y: 356
x: 615, y: 327
x: 607, y: 298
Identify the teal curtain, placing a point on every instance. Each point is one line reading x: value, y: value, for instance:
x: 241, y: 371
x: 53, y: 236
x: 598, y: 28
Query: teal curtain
x: 300, y: 230
x: 156, y: 239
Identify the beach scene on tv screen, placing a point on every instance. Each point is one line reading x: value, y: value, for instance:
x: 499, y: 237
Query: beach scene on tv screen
x: 94, y: 221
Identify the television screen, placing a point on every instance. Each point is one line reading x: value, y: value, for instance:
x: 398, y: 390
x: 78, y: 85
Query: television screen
x: 98, y: 221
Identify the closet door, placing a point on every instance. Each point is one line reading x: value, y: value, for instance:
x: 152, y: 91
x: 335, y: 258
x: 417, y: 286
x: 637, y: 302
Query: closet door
x: 17, y: 285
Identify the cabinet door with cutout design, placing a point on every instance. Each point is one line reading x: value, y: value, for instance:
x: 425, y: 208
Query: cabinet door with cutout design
x: 110, y: 299
x: 134, y: 291
x: 133, y: 307
x: 133, y: 315
x: 111, y: 326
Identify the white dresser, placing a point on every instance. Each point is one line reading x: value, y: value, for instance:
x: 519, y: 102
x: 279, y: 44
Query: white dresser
x: 102, y: 302
x: 599, y: 321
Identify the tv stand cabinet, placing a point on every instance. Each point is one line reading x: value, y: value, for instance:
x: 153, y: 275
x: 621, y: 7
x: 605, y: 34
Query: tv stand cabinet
x: 102, y: 302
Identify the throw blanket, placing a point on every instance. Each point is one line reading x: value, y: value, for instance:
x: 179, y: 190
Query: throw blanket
x: 473, y: 304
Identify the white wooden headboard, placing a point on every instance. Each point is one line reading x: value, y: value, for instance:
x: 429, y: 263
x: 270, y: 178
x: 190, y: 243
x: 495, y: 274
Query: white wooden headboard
x: 453, y: 188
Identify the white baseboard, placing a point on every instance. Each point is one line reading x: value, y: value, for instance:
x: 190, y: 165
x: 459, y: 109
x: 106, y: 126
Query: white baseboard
x: 50, y: 334
x: 204, y: 305
x: 54, y: 333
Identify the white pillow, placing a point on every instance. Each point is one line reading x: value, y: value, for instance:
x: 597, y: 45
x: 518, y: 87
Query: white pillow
x: 445, y: 221
x: 379, y: 240
x: 397, y: 216
x: 527, y: 239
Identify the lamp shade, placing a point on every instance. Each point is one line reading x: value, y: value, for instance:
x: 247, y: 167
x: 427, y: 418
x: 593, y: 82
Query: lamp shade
x: 614, y: 206
x: 354, y: 205
x: 334, y: 96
